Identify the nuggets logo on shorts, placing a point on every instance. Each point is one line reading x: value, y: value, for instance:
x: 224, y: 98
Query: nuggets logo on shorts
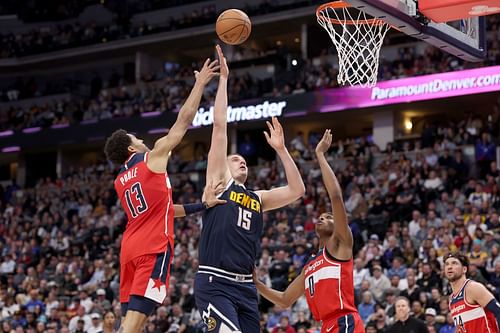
x: 211, y: 323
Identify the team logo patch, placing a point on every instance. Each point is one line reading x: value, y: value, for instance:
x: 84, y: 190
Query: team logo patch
x: 211, y: 323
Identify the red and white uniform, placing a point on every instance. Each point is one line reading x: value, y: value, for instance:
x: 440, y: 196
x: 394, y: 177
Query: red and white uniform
x: 329, y: 285
x: 471, y: 318
x: 147, y: 244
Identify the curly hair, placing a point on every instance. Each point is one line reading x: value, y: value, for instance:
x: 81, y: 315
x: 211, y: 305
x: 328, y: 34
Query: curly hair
x: 116, y: 147
x: 464, y: 260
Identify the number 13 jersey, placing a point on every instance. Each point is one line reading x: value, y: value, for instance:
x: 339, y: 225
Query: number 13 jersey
x: 329, y: 286
x: 146, y: 197
x: 230, y: 236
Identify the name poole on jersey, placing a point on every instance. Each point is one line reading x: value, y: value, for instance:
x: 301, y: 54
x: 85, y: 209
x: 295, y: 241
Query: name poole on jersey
x: 130, y: 174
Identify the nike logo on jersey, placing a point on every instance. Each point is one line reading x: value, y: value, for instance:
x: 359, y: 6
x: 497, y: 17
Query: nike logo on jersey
x: 330, y: 328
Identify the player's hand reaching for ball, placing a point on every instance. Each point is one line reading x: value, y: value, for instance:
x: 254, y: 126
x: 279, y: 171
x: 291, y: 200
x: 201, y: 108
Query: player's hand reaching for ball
x: 207, y: 72
x: 275, y: 137
x: 325, y: 142
x: 210, y: 194
x: 224, y: 70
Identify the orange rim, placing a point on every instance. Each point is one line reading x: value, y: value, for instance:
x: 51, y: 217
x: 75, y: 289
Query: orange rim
x: 341, y: 4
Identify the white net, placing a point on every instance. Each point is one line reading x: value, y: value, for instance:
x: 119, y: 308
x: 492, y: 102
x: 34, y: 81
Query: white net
x: 358, y: 39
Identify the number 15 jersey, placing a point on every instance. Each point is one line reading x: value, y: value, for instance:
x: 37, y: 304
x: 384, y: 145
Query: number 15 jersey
x: 146, y: 197
x: 231, y: 232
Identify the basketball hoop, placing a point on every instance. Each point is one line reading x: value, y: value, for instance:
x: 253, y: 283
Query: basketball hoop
x: 357, y: 37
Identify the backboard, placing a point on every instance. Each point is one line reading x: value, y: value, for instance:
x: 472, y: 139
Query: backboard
x: 465, y: 39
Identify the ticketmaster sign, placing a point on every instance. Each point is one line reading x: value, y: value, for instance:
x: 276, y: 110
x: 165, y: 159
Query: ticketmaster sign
x: 241, y: 113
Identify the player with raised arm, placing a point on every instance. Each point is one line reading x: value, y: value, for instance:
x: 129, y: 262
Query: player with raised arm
x: 472, y: 306
x: 224, y: 289
x: 327, y: 278
x: 145, y: 193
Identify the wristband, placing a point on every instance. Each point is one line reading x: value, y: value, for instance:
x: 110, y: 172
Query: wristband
x: 194, y: 208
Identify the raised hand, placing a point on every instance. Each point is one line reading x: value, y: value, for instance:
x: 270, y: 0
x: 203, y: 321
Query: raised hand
x: 207, y: 72
x: 224, y: 70
x: 211, y: 192
x: 275, y: 137
x: 325, y: 142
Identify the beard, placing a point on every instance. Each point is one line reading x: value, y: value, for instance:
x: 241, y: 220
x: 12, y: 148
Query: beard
x: 454, y: 277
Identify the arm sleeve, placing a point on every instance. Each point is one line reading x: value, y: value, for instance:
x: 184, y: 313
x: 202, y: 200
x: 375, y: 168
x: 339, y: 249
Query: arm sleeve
x: 494, y: 307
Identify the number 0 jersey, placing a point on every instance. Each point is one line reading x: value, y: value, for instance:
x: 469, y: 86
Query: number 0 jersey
x: 230, y: 235
x: 469, y: 318
x: 146, y: 197
x: 329, y: 286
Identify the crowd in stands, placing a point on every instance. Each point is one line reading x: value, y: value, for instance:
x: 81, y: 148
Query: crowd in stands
x: 63, y: 36
x: 408, y: 205
x: 54, y: 10
x: 54, y: 37
x: 165, y: 91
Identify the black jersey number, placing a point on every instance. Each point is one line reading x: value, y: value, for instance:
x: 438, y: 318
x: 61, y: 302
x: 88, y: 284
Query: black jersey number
x: 244, y: 218
x: 136, y: 190
x: 311, y: 285
x: 459, y: 324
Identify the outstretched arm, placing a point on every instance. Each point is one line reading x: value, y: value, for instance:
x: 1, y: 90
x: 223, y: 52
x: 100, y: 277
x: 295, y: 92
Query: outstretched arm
x: 284, y: 195
x: 158, y: 157
x: 479, y: 294
x: 342, y: 231
x: 209, y: 199
x: 217, y: 169
x: 282, y: 298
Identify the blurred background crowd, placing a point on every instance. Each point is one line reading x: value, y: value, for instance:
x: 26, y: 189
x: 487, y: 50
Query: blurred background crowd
x: 117, y: 96
x: 409, y: 205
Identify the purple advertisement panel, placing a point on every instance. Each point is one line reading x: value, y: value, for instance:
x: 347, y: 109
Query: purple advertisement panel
x: 413, y: 89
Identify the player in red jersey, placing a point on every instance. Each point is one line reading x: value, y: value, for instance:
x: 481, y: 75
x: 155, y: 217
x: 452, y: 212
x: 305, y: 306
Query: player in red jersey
x: 472, y: 306
x: 145, y: 192
x: 327, y: 279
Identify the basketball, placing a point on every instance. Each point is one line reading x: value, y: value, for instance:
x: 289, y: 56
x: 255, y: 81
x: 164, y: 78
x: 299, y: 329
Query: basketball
x: 233, y: 26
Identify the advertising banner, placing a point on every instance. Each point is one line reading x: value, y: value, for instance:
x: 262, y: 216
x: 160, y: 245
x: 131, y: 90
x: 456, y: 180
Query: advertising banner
x: 420, y: 88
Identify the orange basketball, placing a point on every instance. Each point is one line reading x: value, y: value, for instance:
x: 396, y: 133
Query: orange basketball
x: 233, y: 26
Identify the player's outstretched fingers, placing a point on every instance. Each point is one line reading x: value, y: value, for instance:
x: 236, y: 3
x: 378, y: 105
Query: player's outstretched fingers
x: 213, y: 63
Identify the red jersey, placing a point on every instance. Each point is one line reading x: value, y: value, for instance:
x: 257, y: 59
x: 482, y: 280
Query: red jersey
x: 329, y: 285
x: 146, y: 197
x: 470, y: 318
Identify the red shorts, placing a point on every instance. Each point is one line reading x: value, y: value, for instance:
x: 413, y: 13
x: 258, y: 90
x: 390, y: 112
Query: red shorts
x: 146, y: 276
x: 350, y: 323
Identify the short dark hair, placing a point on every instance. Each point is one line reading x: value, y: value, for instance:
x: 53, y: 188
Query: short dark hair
x: 464, y: 260
x: 116, y: 147
x: 402, y: 298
